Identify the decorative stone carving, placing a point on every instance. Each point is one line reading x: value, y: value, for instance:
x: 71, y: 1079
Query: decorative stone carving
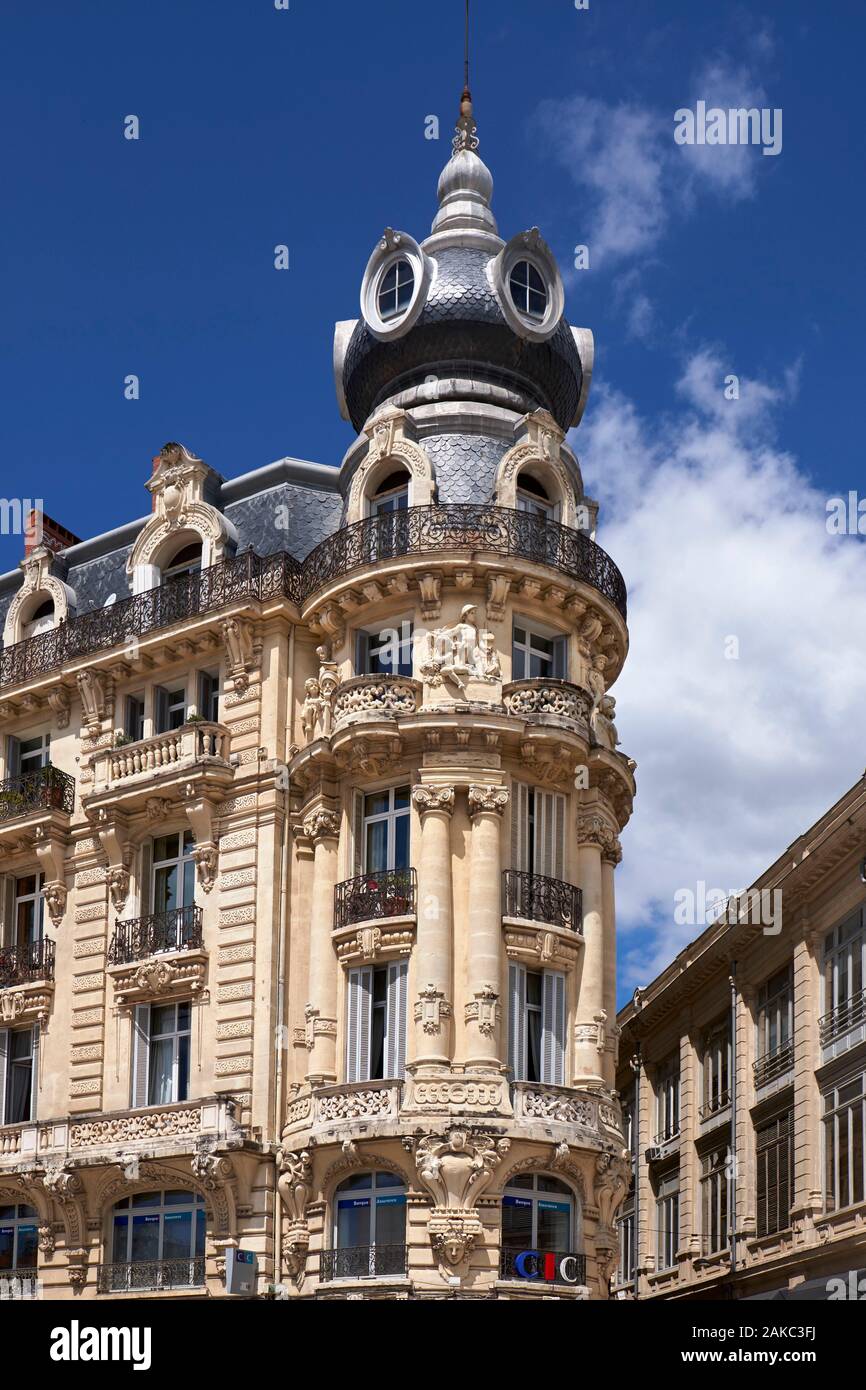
x: 497, y: 593
x: 554, y: 1105
x: 206, y: 857
x: 118, y: 885
x: 427, y: 798
x: 387, y: 696
x: 238, y: 637
x: 38, y: 583
x: 158, y: 1124
x: 462, y: 656
x: 92, y: 687
x: 594, y: 830
x: 12, y: 1004
x: 484, y: 800
x: 431, y: 1008
x: 456, y: 1170
x: 46, y: 1240
x: 390, y: 442
x: 604, y: 727
x: 59, y: 701
x: 295, y: 1186
x: 612, y: 1169
x: 158, y: 808
x: 62, y: 1183
x: 484, y: 1010
x: 560, y: 701
x: 210, y: 1169
x: 55, y: 895
x: 353, y: 1105
x: 311, y: 710
x: 323, y: 823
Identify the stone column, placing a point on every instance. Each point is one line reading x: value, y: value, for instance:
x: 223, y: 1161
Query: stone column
x: 594, y: 836
x: 807, y: 1198
x: 745, y: 1172
x: 484, y: 1012
x: 690, y: 1099
x: 610, y: 857
x: 323, y: 828
x: 434, y: 950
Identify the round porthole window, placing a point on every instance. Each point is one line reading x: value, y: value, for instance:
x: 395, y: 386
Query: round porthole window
x: 395, y: 289
x: 528, y: 291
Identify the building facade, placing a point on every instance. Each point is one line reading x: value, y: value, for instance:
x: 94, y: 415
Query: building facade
x: 743, y: 1080
x: 309, y: 814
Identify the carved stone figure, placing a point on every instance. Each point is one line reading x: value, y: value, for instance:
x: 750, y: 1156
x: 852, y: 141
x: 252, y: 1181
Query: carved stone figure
x: 311, y: 709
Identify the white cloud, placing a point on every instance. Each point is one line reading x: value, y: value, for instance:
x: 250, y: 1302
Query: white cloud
x: 623, y: 157
x: 720, y: 533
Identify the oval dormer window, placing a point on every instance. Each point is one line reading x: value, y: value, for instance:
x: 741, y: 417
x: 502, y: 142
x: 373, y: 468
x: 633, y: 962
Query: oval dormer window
x: 395, y: 289
x: 528, y: 290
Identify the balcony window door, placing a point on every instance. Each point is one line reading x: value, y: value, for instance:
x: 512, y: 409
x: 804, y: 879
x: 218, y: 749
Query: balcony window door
x: 26, y: 756
x: 717, y: 1071
x: 532, y: 497
x: 386, y: 651
x: 185, y: 563
x: 775, y: 1020
x: 158, y: 1241
x: 369, y: 1228
x: 538, y: 831
x: 209, y: 696
x: 173, y: 872
x: 536, y: 1024
x: 714, y: 1200
x: 170, y: 708
x: 388, y: 506
x: 19, y: 1063
x: 845, y: 973
x: 537, y: 653
x: 845, y: 1143
x: 161, y: 1053
x: 19, y: 1238
x: 376, y: 1022
x: 775, y: 1177
x: 134, y: 721
x: 668, y: 1221
x: 668, y: 1102
x: 384, y: 830
x: 538, y: 1214
x: 29, y: 915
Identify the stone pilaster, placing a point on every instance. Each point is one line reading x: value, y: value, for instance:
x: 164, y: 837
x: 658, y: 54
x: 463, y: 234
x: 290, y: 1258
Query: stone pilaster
x: 323, y: 828
x: 807, y: 1198
x: 434, y: 950
x: 690, y: 1099
x: 483, y: 1008
x: 595, y: 839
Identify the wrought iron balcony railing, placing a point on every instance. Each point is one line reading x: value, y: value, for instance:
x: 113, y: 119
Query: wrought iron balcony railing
x: 362, y: 1262
x: 178, y: 930
x: 541, y: 1266
x: 773, y: 1064
x: 44, y: 789
x: 20, y: 964
x: 843, y: 1018
x: 152, y: 1275
x: 501, y: 531
x: 390, y: 893
x: 541, y: 899
x: 714, y: 1105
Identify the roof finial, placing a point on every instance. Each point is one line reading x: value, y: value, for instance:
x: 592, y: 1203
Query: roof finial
x: 466, y: 137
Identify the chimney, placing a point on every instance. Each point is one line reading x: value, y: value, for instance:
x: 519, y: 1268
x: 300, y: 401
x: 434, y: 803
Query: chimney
x: 40, y: 529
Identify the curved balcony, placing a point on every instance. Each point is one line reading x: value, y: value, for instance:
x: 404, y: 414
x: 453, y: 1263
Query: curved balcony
x: 374, y: 697
x: 546, y: 699
x: 429, y: 531
x: 536, y: 898
x: 390, y: 893
x: 45, y: 789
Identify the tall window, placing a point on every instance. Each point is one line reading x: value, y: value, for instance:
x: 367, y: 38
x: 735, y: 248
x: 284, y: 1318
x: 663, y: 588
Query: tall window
x: 385, y: 830
x: 536, y: 1024
x: 538, y: 1214
x: 209, y: 696
x: 386, y: 651
x: 538, y: 831
x: 714, y: 1199
x: 134, y: 721
x: 775, y: 1176
x: 19, y: 1238
x: 844, y: 977
x: 625, y: 1227
x: 19, y: 1056
x: 668, y: 1221
x: 717, y: 1070
x: 161, y: 1053
x: 26, y: 756
x: 369, y: 1228
x: 537, y: 653
x: 173, y: 873
x: 774, y: 1041
x: 152, y: 1229
x: 668, y: 1101
x: 376, y: 1022
x: 29, y: 911
x: 170, y: 708
x: 845, y: 1143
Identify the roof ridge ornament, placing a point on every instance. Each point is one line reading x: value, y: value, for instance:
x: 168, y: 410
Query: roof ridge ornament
x: 466, y: 132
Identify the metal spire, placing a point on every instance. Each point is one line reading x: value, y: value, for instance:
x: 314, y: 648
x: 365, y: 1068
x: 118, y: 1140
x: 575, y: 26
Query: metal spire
x: 466, y: 137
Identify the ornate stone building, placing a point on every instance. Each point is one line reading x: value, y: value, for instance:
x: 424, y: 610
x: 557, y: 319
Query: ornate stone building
x: 743, y: 1078
x: 309, y: 815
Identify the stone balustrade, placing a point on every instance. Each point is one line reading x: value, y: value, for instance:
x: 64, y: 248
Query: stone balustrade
x: 198, y: 742
x: 372, y: 697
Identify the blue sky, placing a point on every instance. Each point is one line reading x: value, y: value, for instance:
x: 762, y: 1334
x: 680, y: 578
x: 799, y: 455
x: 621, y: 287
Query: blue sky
x: 306, y: 127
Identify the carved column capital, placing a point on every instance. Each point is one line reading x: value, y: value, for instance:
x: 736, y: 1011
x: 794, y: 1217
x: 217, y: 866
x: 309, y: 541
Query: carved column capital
x: 322, y: 824
x: 487, y: 799
x: 594, y: 830
x: 433, y: 799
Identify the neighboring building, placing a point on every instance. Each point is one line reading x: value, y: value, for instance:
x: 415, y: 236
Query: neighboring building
x: 308, y: 826
x: 743, y: 1081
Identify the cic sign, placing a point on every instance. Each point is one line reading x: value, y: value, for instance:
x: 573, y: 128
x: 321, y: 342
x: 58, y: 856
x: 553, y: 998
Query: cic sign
x: 547, y: 1266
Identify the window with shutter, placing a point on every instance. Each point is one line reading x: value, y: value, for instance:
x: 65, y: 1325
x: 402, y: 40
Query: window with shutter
x: 549, y: 826
x: 4, y: 1066
x: 140, y: 1055
x: 13, y: 756
x: 774, y: 1176
x: 7, y: 908
x: 553, y: 1028
x: 357, y: 834
x: 395, y: 1024
x: 517, y: 1020
x: 34, y: 1074
x: 358, y: 1020
x: 520, y: 827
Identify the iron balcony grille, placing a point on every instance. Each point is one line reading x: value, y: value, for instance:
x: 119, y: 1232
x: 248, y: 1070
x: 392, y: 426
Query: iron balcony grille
x: 542, y: 1266
x: 415, y: 531
x: 152, y: 1275
x: 666, y: 1134
x: 44, y: 789
x: 362, y: 1262
x: 178, y: 930
x: 390, y: 893
x: 773, y: 1064
x: 541, y: 899
x: 20, y: 964
x: 843, y: 1018
x: 714, y: 1105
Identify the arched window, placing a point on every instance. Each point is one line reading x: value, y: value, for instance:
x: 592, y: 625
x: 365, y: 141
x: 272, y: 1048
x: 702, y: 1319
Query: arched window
x: 19, y: 1238
x: 532, y: 496
x: 369, y: 1228
x: 392, y: 494
x: 538, y: 1215
x: 186, y: 562
x: 157, y: 1242
x: 41, y: 620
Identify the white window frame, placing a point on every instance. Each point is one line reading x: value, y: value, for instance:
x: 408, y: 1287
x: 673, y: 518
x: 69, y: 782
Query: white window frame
x: 533, y: 629
x: 554, y: 1024
x: 143, y: 1040
x: 775, y: 1012
x: 370, y: 1193
x: 844, y: 960
x: 715, y: 1067
x: 390, y: 817
x: 6, y: 1035
x: 841, y: 1122
x: 668, y: 1101
x: 366, y: 637
x: 37, y: 898
x: 538, y: 831
x: 715, y: 1193
x: 667, y: 1222
x: 38, y: 757
x: 179, y: 861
